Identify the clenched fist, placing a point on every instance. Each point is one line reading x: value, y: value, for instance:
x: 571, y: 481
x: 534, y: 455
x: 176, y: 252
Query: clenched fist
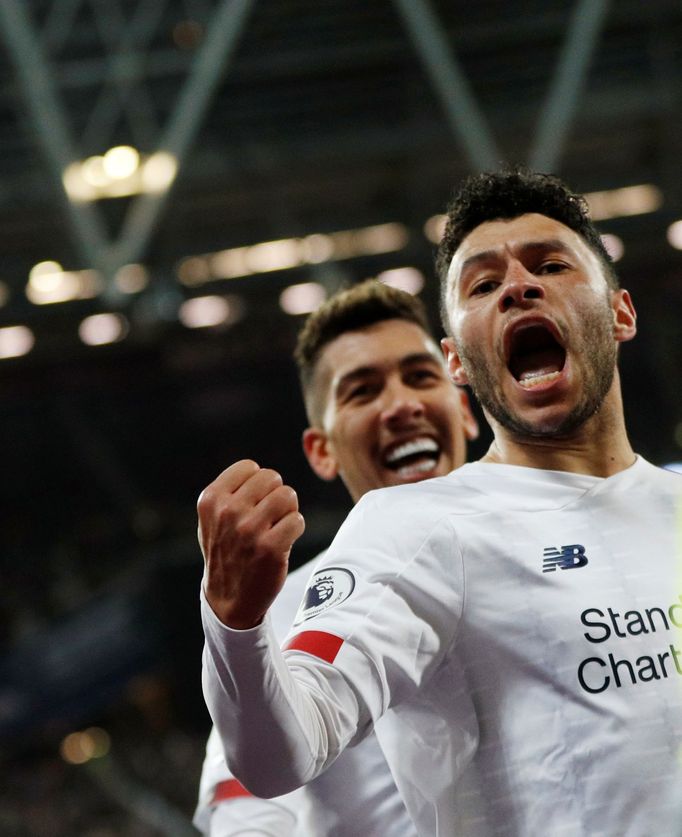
x: 248, y: 522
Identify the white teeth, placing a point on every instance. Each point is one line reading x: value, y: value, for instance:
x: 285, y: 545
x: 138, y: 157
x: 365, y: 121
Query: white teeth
x: 420, y: 467
x: 528, y: 380
x: 423, y: 445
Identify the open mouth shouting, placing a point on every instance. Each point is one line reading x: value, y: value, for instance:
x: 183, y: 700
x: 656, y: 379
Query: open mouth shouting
x: 413, y: 458
x: 535, y: 354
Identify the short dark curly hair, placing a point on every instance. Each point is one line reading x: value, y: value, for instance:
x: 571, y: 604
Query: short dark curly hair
x: 507, y: 194
x: 363, y: 305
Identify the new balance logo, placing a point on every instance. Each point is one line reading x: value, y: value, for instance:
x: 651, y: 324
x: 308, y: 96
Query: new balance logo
x: 566, y: 558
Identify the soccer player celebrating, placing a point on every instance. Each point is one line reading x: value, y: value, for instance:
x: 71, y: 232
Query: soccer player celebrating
x: 382, y: 411
x: 512, y: 624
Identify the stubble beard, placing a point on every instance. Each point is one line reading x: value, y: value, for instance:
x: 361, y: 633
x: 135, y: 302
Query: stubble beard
x: 596, y: 353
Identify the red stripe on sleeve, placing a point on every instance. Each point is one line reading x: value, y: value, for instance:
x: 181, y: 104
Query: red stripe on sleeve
x: 318, y: 643
x: 229, y: 789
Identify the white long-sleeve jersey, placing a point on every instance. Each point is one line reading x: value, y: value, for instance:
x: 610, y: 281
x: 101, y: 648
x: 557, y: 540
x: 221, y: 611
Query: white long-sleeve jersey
x: 355, y: 797
x: 516, y: 628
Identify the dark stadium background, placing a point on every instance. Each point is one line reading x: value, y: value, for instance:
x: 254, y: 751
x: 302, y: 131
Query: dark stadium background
x: 288, y: 119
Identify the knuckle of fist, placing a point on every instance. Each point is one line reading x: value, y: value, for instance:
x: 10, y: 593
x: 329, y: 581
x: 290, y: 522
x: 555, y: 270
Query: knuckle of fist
x: 241, y: 469
x: 285, y: 492
x: 205, y: 500
x: 272, y: 477
x: 289, y: 496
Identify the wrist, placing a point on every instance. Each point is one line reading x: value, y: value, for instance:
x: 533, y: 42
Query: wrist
x: 232, y: 615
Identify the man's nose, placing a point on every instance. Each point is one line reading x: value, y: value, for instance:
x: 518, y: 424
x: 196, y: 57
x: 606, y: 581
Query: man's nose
x: 402, y: 404
x: 519, y: 289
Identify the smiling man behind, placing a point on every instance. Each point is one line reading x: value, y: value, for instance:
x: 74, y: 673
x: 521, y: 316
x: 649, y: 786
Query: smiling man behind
x: 513, y: 624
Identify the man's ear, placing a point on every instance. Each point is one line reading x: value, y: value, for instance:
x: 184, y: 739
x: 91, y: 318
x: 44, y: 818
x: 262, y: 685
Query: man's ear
x: 318, y: 452
x: 624, y: 316
x: 452, y: 361
x: 468, y: 421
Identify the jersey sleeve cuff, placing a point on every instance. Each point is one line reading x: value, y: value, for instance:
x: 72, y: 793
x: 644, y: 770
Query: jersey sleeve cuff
x: 234, y: 638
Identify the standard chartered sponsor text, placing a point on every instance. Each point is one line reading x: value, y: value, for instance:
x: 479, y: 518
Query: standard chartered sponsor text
x: 598, y: 673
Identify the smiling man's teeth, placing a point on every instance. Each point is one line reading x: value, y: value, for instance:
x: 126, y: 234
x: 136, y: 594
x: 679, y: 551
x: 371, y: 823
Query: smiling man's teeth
x: 415, y: 446
x: 420, y: 467
x: 528, y: 380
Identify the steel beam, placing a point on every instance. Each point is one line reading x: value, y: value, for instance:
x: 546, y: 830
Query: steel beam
x: 50, y: 125
x: 466, y: 120
x: 122, y: 86
x: 561, y: 103
x: 58, y: 23
x: 222, y: 36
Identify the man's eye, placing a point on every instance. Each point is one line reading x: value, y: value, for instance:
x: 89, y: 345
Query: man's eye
x: 484, y: 287
x: 359, y: 391
x: 551, y: 267
x: 421, y: 376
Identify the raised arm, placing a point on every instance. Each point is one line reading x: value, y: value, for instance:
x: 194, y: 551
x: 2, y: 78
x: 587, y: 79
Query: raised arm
x: 277, y: 733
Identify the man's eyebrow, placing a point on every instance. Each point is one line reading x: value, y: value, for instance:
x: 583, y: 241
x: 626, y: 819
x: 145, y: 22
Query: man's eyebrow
x: 365, y: 371
x: 547, y: 244
x: 419, y: 357
x: 544, y: 245
x: 479, y: 258
x: 354, y: 375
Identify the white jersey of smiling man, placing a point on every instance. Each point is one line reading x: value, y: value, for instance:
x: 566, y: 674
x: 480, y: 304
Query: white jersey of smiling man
x: 514, y: 623
x: 382, y: 411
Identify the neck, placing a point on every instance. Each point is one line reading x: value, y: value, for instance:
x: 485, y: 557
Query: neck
x: 599, y: 447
